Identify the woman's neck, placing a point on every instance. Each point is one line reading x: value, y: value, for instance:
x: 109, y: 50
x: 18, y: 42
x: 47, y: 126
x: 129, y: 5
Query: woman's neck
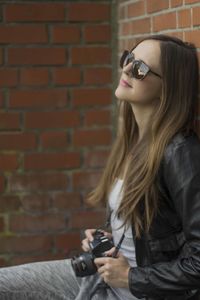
x: 143, y: 116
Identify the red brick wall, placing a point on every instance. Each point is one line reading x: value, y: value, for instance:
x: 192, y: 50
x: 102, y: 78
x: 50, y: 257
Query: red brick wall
x: 55, y: 123
x: 141, y: 18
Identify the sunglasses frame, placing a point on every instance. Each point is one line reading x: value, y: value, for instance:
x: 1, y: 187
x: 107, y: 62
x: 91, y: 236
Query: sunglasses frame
x: 145, y: 68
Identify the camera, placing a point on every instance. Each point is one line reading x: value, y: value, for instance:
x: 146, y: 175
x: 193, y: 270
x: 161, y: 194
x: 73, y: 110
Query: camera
x: 83, y: 264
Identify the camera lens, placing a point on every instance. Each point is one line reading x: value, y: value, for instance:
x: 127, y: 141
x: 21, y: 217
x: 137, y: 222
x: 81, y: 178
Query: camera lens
x: 84, y: 265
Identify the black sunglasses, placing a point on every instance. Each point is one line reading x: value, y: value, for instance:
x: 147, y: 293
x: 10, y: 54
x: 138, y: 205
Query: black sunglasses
x: 139, y: 69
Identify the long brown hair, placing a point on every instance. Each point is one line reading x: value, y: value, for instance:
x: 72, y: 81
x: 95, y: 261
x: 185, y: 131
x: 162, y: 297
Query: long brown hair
x: 176, y: 113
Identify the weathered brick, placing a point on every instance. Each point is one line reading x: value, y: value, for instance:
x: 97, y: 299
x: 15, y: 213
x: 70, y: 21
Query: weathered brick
x: 8, y: 162
x: 49, y: 119
x: 49, y: 98
x: 92, y: 137
x: 34, y: 76
x: 37, y: 224
x: 23, y: 34
x: 67, y: 76
x: 88, y: 219
x: 36, y: 56
x: 8, y: 77
x: 92, y: 12
x: 97, y: 117
x: 38, y: 182
x: 53, y: 139
x: 9, y: 120
x: 34, y: 12
x: 17, y: 141
x: 66, y: 34
x: 97, y: 76
x: 83, y: 97
x: 49, y: 161
x: 91, y: 55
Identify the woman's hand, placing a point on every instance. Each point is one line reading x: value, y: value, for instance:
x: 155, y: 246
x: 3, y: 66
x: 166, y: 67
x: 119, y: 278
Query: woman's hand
x: 114, y: 271
x: 89, y: 233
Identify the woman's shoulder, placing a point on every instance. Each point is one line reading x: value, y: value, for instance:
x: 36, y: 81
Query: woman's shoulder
x: 183, y: 143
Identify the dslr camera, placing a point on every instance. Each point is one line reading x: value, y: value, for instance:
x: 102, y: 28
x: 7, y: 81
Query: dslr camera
x: 83, y: 264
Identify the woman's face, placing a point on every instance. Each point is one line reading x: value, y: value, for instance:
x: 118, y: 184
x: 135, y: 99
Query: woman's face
x: 144, y: 91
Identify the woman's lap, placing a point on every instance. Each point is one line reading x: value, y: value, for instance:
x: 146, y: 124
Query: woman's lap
x: 47, y: 280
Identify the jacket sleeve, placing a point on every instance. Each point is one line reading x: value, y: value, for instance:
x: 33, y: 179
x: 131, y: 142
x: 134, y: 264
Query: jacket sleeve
x: 181, y: 173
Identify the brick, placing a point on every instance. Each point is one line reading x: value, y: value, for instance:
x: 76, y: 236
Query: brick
x: 1, y: 56
x: 96, y: 117
x: 36, y: 203
x: 38, y: 182
x: 36, y: 56
x: 193, y: 37
x: 66, y: 34
x: 91, y: 55
x: 83, y: 97
x: 34, y: 12
x: 8, y: 77
x: 92, y: 137
x: 196, y: 15
x: 8, y: 162
x: 37, y: 224
x: 184, y: 18
x: 23, y: 34
x: 92, y: 12
x: 48, y: 161
x: 126, y: 28
x: 140, y: 26
x: 85, y: 180
x: 1, y: 99
x: 68, y: 241
x: 34, y: 76
x: 55, y: 119
x: 2, y: 224
x: 67, y: 76
x: 47, y: 98
x: 2, y: 183
x: 66, y: 201
x: 154, y: 5
x: 53, y: 140
x: 121, y: 12
x: 97, y: 76
x: 88, y: 219
x: 136, y: 9
x: 9, y: 203
x: 97, y: 33
x: 9, y: 120
x: 178, y: 34
x: 175, y: 3
x: 94, y: 159
x: 3, y: 262
x: 24, y: 244
x: 17, y: 141
x: 191, y: 1
x: 45, y: 256
x: 164, y: 21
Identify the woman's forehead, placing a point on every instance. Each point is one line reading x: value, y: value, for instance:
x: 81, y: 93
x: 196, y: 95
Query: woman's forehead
x: 149, y: 52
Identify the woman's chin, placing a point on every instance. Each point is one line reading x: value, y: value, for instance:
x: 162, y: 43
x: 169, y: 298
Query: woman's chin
x: 120, y: 94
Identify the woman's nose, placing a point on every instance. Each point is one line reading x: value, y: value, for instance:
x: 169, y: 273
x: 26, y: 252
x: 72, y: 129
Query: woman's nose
x: 127, y: 68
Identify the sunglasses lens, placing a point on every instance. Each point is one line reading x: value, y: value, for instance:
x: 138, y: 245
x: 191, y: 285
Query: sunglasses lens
x: 139, y: 70
x: 124, y: 59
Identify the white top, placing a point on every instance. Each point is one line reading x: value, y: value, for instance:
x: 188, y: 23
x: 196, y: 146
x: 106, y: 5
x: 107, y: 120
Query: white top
x: 127, y: 247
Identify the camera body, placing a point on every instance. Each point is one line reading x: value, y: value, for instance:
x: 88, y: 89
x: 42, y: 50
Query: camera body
x: 83, y: 264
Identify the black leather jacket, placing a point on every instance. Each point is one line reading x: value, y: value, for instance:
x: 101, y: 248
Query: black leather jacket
x: 168, y: 257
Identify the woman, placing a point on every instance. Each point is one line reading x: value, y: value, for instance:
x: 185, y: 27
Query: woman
x: 151, y: 185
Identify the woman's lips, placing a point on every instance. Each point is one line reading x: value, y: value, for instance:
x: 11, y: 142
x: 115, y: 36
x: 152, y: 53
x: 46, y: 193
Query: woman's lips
x: 125, y: 83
